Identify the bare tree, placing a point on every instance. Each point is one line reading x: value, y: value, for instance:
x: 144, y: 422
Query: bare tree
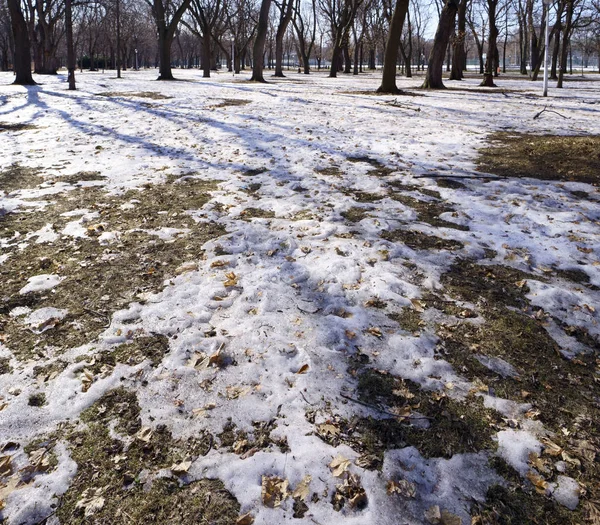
x: 22, y: 60
x: 167, y: 16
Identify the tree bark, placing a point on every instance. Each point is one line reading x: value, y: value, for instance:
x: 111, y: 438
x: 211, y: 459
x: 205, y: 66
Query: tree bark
x: 388, y: 79
x: 166, y: 33
x: 490, y: 59
x: 285, y: 18
x: 70, y: 47
x: 435, y: 65
x: 566, y: 37
x: 259, y: 42
x: 22, y: 60
x: 458, y: 44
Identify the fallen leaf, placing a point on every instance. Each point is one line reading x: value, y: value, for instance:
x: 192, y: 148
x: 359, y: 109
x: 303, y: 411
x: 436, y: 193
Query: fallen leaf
x: 181, y: 468
x: 303, y: 369
x: 450, y: 519
x: 418, y: 305
x: 538, y: 482
x: 403, y: 487
x: 246, y: 519
x: 551, y: 448
x: 433, y: 514
x: 302, y: 489
x: 327, y: 429
x: 219, y: 263
x: 232, y: 279
x: 274, y: 491
x: 144, y: 434
x: 339, y: 465
x: 90, y: 504
x: 374, y: 330
x: 5, y: 466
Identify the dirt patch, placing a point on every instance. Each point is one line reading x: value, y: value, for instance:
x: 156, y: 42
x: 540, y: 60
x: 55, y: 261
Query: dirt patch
x: 5, y: 367
x: 452, y: 184
x: 252, y: 172
x: 366, y: 197
x: 82, y: 176
x: 99, y: 278
x: 545, y: 157
x: 230, y: 102
x: 256, y: 213
x: 429, y: 211
x: 421, y: 241
x: 121, y: 472
x: 379, y: 169
x: 332, y: 171
x: 138, y: 94
x: 7, y: 126
x: 17, y: 177
x: 355, y: 214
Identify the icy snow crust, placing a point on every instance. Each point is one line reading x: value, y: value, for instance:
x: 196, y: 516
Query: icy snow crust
x: 294, y: 275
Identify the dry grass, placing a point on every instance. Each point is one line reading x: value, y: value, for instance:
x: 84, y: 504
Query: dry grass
x: 545, y: 157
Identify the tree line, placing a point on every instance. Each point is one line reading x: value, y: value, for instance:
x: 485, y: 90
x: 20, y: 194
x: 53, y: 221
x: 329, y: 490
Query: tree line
x: 341, y: 35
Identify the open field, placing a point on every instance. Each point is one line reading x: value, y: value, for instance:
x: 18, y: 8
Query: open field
x: 299, y: 302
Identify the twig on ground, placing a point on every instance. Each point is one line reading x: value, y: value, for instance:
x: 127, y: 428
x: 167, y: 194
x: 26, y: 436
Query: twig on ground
x: 375, y: 407
x: 443, y: 176
x: 537, y: 115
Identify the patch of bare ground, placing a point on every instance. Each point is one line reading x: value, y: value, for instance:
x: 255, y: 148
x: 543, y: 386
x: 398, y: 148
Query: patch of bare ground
x: 99, y: 278
x: 378, y: 168
x: 137, y: 94
x: 15, y: 126
x: 18, y: 177
x: 116, y: 479
x: 546, y: 157
x: 421, y: 241
x: 512, y: 356
x: 428, y: 211
x: 230, y: 102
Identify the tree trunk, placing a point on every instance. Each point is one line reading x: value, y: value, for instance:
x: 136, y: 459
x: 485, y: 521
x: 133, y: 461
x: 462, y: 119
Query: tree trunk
x: 347, y: 60
x: 435, y: 65
x: 555, y: 52
x: 458, y: 44
x: 259, y: 42
x: 70, y: 46
x: 206, y: 55
x: 22, y: 60
x: 565, y: 42
x: 164, y: 51
x: 490, y: 59
x: 284, y: 21
x: 388, y: 79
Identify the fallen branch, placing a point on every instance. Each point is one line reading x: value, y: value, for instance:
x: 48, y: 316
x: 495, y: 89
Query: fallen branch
x: 397, y: 104
x: 537, y: 115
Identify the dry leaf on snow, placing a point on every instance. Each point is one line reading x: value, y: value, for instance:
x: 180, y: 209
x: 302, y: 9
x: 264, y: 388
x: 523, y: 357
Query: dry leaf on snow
x: 339, y: 465
x: 403, y: 487
x: 302, y: 489
x: 274, y: 491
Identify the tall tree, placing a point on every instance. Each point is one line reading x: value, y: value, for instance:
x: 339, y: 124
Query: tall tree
x: 286, y: 10
x: 22, y: 61
x: 70, y: 45
x: 167, y: 16
x: 388, y: 80
x: 459, y: 56
x: 258, y: 50
x: 435, y: 65
x: 490, y: 59
x: 306, y: 31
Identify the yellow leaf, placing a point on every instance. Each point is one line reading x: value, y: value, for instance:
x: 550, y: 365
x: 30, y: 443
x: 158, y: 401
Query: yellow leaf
x: 303, y: 369
x: 418, y: 305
